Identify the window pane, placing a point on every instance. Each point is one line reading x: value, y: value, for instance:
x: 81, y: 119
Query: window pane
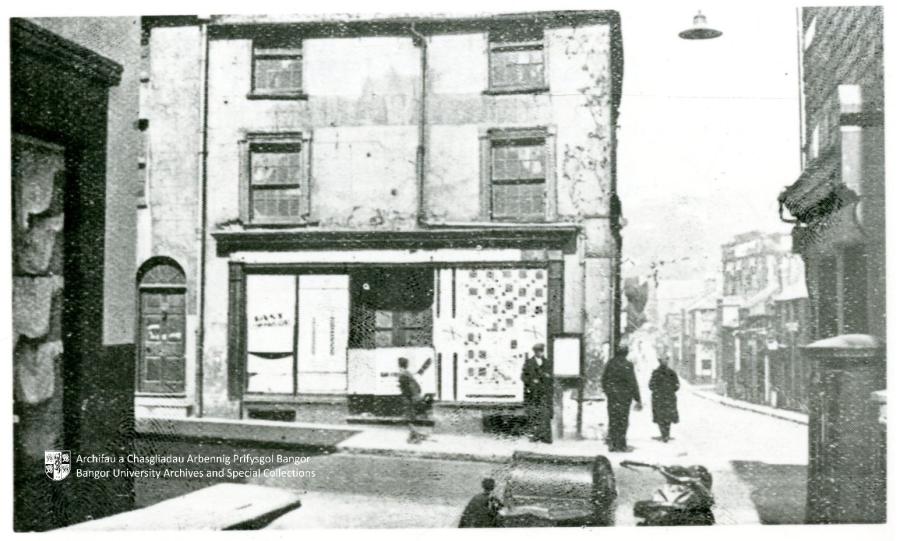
x: 518, y: 200
x: 278, y: 73
x: 416, y: 337
x: 515, y: 162
x: 384, y: 339
x: 415, y: 319
x: 276, y: 204
x: 384, y: 319
x: 269, y: 167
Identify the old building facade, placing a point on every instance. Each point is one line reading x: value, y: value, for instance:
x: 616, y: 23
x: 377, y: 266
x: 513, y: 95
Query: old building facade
x: 756, y: 268
x: 325, y: 195
x: 837, y: 203
x: 699, y: 364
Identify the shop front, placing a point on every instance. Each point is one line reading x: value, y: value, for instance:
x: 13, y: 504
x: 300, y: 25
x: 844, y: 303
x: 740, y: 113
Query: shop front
x: 319, y: 335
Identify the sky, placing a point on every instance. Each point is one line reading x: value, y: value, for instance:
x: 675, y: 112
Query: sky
x: 709, y: 131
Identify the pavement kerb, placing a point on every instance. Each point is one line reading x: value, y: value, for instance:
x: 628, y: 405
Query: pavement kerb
x: 791, y: 416
x: 426, y: 454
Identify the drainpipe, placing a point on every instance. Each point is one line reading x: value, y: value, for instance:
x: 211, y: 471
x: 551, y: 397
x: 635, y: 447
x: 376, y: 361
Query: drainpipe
x: 801, y: 94
x: 201, y: 266
x: 419, y: 40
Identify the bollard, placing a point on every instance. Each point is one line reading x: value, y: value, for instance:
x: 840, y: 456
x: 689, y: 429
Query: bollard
x: 844, y: 481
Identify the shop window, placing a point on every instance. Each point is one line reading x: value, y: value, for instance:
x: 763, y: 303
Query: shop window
x: 277, y: 67
x: 517, y: 61
x: 275, y: 179
x: 391, y: 308
x: 161, y: 286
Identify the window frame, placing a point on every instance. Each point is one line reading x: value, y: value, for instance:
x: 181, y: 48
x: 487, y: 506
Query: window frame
x: 279, y: 47
x: 505, y: 43
x: 505, y: 136
x: 302, y: 140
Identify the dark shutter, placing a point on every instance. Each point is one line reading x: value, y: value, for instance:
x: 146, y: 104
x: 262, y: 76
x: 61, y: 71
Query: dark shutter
x: 237, y: 330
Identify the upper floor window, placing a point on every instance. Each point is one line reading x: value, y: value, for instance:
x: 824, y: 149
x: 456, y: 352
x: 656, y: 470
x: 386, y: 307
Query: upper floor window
x: 275, y: 179
x: 518, y: 173
x: 517, y: 62
x: 277, y: 67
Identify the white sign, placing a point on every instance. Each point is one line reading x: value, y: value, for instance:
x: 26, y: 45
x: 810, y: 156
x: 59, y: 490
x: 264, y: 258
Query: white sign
x: 566, y: 356
x: 375, y: 371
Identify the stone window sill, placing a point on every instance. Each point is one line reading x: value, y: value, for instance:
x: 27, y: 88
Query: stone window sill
x: 524, y: 90
x: 299, y: 96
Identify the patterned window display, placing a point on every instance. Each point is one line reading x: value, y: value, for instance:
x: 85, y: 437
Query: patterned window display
x: 490, y: 328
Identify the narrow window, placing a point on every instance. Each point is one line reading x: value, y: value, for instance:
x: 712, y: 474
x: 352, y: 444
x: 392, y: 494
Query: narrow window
x: 276, y: 173
x: 518, y: 177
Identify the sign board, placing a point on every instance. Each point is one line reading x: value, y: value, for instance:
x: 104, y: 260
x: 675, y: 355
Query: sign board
x: 730, y: 316
x: 566, y: 355
x: 374, y: 371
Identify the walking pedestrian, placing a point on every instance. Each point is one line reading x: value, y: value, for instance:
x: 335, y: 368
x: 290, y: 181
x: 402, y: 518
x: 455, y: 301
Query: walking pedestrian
x: 663, y: 386
x: 537, y: 377
x: 621, y: 388
x: 412, y: 397
x: 482, y: 510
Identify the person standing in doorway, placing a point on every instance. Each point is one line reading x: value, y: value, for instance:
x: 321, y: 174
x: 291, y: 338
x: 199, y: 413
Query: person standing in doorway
x: 621, y: 388
x: 537, y: 377
x: 663, y: 386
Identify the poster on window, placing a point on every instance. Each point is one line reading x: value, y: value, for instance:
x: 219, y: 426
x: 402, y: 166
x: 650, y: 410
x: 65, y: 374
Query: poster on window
x: 270, y: 333
x: 499, y: 315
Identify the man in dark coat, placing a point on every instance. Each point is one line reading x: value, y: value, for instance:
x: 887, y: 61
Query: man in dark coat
x: 663, y: 386
x: 481, y: 512
x: 620, y: 385
x: 537, y: 377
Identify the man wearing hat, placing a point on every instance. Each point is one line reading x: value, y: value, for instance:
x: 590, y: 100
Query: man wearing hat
x: 537, y: 376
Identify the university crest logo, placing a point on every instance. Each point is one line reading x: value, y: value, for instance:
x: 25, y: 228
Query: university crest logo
x: 57, y: 464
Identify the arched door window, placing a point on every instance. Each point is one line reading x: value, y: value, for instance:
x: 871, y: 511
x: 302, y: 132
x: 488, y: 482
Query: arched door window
x: 161, y: 289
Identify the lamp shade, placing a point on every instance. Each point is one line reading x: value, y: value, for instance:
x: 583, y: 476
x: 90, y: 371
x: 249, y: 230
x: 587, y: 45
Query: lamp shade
x: 700, y: 29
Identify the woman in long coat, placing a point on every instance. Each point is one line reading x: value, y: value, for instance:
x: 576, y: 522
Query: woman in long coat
x: 663, y: 386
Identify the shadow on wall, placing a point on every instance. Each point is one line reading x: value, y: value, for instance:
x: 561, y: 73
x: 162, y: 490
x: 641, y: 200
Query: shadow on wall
x: 778, y: 491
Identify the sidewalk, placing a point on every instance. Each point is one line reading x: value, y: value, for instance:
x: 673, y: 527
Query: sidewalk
x: 778, y: 413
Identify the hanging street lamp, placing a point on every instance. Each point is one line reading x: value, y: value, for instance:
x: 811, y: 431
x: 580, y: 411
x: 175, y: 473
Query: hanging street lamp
x: 700, y: 30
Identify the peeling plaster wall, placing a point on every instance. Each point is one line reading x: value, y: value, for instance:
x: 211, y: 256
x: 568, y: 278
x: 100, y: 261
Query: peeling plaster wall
x: 172, y: 106
x: 168, y: 226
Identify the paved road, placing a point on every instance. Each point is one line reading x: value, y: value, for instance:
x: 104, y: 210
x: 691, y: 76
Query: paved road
x: 758, y: 463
